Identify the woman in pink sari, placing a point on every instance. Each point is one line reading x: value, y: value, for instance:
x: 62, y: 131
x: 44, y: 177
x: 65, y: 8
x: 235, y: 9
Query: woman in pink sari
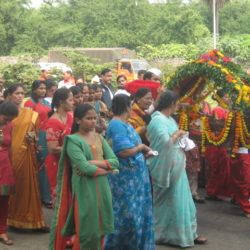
x: 42, y: 107
x: 58, y: 126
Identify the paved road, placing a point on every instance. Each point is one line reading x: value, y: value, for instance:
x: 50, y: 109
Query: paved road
x: 221, y: 222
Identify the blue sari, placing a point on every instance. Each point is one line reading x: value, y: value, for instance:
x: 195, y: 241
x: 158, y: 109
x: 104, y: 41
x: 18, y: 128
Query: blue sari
x: 174, y: 209
x: 131, y: 191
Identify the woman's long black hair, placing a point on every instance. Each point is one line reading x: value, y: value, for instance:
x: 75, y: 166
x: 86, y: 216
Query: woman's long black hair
x: 79, y: 113
x: 60, y: 95
x: 13, y: 87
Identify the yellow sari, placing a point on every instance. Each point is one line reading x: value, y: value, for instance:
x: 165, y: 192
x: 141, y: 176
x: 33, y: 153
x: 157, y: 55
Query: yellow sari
x: 25, y: 209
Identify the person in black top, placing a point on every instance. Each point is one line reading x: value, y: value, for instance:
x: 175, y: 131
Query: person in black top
x: 107, y: 89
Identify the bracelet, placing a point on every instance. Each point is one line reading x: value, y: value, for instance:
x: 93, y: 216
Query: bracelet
x: 108, y: 165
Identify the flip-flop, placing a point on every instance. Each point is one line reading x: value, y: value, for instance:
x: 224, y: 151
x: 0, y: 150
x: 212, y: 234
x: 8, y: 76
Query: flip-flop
x: 48, y: 205
x: 200, y: 241
x: 5, y: 240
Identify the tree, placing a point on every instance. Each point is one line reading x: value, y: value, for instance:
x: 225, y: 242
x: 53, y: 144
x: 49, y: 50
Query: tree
x: 11, y: 23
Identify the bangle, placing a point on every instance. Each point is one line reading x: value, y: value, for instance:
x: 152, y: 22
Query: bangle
x: 108, y: 165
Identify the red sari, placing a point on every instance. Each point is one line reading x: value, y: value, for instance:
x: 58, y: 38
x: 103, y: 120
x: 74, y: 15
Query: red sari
x: 55, y: 132
x: 219, y: 177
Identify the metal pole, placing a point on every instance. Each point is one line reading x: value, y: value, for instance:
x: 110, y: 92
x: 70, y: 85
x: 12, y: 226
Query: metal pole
x: 214, y: 23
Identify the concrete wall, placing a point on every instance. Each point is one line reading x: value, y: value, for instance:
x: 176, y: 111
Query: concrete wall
x: 103, y: 54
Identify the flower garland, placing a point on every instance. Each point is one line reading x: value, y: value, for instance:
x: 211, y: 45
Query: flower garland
x: 183, y: 121
x: 191, y: 91
x: 237, y: 133
x: 207, y: 133
x: 217, y: 67
x: 219, y: 100
x: 244, y: 133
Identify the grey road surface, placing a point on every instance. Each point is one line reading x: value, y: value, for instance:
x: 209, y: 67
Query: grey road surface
x: 221, y: 222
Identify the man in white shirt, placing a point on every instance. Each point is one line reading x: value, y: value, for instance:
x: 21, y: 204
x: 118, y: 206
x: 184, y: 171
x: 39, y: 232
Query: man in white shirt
x: 68, y: 80
x: 121, y: 81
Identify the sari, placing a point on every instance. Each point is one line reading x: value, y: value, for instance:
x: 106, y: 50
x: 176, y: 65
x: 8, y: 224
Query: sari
x: 84, y: 202
x: 137, y: 122
x: 55, y: 132
x: 42, y: 109
x: 173, y: 206
x: 131, y: 191
x: 25, y: 208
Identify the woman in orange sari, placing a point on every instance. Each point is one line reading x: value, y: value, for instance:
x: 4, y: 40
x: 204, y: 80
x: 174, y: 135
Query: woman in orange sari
x: 25, y: 208
x: 139, y: 117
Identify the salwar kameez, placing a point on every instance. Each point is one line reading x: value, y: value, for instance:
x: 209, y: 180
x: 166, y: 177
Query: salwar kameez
x: 84, y: 201
x: 7, y: 179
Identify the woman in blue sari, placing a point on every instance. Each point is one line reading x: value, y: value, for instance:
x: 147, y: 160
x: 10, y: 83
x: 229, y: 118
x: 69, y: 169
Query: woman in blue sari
x: 174, y: 209
x: 131, y: 190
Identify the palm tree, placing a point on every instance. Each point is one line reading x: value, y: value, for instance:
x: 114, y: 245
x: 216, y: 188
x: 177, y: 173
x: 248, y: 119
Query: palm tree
x: 219, y: 4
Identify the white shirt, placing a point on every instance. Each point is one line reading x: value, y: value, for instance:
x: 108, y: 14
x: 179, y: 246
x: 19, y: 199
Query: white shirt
x: 122, y: 91
x: 63, y: 84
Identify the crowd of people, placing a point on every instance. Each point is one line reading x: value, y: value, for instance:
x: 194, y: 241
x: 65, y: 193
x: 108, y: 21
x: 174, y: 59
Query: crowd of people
x: 109, y: 163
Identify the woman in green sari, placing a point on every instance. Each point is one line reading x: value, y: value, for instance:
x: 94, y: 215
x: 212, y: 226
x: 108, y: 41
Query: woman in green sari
x: 173, y: 206
x: 84, y: 202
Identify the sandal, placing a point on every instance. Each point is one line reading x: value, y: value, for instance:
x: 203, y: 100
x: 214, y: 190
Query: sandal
x: 200, y: 241
x: 247, y: 215
x: 5, y: 239
x: 213, y: 198
x: 198, y: 199
x: 45, y: 229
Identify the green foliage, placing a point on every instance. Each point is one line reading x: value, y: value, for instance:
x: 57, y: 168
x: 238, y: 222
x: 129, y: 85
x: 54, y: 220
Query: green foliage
x: 22, y: 72
x: 160, y: 31
x: 83, y: 66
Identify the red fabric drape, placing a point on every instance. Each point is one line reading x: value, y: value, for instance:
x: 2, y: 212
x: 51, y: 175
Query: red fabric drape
x: 219, y: 172
x: 240, y: 171
x: 133, y: 86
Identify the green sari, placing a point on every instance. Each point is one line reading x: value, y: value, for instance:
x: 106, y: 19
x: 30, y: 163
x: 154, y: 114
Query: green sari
x: 84, y: 202
x: 173, y: 206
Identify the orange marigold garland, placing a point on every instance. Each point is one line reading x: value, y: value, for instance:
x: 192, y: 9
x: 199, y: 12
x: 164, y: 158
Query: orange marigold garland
x: 244, y: 133
x: 183, y: 122
x: 191, y: 91
x: 213, y: 139
x: 237, y: 133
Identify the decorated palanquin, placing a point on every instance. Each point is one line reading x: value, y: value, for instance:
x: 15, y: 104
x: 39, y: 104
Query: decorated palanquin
x: 201, y: 78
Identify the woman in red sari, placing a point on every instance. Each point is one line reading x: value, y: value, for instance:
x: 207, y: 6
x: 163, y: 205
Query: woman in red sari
x: 8, y: 111
x: 42, y: 107
x: 218, y: 184
x: 58, y: 126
